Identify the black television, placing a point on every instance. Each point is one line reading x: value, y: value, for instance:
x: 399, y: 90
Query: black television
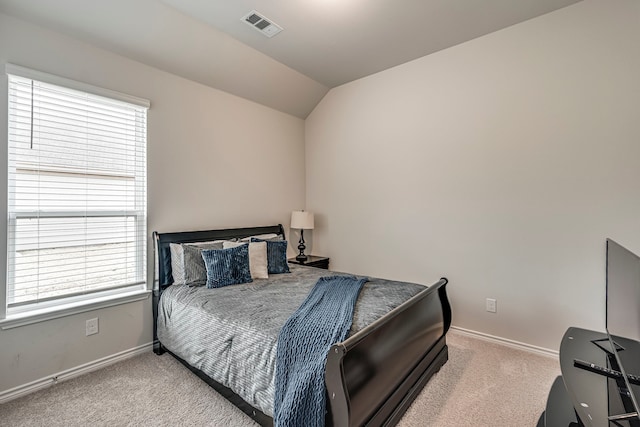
x: 623, y: 321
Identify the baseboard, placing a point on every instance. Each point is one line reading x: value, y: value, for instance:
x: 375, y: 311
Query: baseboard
x: 507, y: 342
x: 50, y: 380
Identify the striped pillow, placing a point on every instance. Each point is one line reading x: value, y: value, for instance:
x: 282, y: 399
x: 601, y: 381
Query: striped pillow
x: 177, y: 263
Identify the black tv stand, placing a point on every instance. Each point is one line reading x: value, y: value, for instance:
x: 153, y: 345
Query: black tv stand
x: 590, y: 391
x: 605, y: 345
x: 607, y: 372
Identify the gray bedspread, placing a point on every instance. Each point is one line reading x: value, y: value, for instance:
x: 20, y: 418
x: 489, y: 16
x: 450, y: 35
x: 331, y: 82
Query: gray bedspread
x: 231, y: 333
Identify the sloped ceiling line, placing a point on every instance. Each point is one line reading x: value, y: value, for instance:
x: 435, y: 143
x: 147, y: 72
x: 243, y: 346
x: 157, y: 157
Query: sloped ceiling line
x: 325, y: 43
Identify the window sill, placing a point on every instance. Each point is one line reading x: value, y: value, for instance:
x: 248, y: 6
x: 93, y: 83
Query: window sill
x: 22, y: 319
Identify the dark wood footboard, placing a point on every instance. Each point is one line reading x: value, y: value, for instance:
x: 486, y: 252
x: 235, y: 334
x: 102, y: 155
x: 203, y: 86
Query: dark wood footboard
x: 374, y: 375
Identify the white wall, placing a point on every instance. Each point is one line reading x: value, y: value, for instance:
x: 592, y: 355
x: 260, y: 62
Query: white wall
x: 214, y: 161
x: 502, y: 163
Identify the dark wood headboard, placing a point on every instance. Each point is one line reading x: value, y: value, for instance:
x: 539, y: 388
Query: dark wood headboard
x: 162, y: 241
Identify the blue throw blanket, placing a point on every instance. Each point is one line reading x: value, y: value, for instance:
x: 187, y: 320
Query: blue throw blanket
x: 323, y: 319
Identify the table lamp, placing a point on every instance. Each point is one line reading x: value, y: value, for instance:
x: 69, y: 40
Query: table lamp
x: 303, y: 221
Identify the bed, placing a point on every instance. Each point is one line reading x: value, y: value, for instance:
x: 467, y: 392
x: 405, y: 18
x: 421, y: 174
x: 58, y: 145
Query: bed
x: 396, y: 343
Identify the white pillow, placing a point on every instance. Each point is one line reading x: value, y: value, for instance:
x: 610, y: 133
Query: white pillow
x: 257, y: 258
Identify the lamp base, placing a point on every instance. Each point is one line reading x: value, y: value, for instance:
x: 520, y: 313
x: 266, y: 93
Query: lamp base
x: 301, y: 247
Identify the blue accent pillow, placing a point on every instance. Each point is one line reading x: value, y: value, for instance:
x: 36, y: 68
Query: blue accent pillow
x: 227, y: 266
x: 276, y: 255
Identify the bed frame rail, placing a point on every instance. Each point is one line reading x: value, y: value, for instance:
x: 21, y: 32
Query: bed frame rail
x: 374, y: 375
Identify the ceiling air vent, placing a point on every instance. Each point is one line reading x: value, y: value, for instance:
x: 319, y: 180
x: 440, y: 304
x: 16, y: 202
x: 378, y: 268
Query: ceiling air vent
x: 262, y: 24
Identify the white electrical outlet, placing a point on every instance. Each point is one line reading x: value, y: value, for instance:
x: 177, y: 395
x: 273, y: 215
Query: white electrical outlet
x: 491, y: 305
x: 92, y: 326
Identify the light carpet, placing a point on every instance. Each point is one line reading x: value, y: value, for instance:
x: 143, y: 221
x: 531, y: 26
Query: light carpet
x: 482, y: 384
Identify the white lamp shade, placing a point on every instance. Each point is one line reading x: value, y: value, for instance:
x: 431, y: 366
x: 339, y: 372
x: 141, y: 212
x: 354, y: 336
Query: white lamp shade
x: 302, y: 220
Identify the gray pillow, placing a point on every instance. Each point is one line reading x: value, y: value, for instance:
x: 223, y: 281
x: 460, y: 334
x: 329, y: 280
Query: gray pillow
x: 187, y: 266
x: 177, y: 263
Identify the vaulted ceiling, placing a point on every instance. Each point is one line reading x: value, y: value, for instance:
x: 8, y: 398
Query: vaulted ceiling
x: 323, y: 44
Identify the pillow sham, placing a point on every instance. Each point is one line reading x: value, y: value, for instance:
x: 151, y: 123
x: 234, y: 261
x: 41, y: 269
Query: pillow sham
x: 276, y: 256
x: 177, y: 263
x: 270, y: 236
x: 257, y: 258
x: 187, y: 266
x: 227, y: 266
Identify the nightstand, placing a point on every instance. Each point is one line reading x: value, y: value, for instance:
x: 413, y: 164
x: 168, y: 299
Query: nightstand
x: 313, y: 261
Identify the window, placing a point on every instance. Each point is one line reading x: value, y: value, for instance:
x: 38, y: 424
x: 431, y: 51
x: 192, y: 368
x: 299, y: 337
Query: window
x: 76, y: 192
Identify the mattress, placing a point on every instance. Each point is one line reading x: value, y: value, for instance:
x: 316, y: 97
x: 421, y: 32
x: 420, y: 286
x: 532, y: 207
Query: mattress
x: 231, y: 333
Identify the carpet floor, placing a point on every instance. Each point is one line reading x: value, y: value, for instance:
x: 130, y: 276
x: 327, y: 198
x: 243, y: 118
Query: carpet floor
x: 482, y: 384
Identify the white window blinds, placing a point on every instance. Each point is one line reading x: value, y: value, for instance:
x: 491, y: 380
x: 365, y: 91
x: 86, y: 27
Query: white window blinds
x: 77, y: 193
